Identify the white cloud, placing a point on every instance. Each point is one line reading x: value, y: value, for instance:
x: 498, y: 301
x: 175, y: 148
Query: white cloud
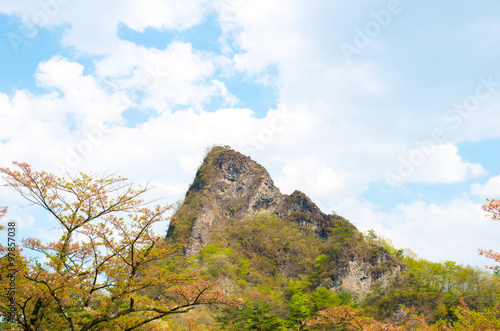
x: 24, y: 220
x: 313, y: 176
x: 177, y: 75
x: 351, y: 122
x: 490, y: 189
x: 93, y: 24
x: 83, y: 98
x: 266, y: 32
x: 451, y: 231
x: 161, y: 15
x: 444, y: 165
x: 432, y: 163
x: 164, y: 78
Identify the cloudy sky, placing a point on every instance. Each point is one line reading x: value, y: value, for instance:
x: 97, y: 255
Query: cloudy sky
x: 386, y: 112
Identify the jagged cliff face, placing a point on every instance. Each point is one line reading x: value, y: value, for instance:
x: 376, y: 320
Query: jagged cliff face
x: 227, y: 185
x: 230, y: 186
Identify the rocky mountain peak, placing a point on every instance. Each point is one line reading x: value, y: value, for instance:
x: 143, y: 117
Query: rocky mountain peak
x: 229, y: 187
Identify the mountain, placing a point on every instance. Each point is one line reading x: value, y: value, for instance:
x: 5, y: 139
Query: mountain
x: 231, y: 193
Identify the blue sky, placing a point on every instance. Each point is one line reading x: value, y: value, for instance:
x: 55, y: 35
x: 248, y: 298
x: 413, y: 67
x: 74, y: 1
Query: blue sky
x: 386, y: 112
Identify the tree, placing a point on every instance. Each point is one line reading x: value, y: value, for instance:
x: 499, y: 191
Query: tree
x: 493, y: 210
x: 3, y: 212
x: 468, y: 319
x: 300, y: 309
x: 349, y: 318
x: 101, y: 272
x: 254, y: 315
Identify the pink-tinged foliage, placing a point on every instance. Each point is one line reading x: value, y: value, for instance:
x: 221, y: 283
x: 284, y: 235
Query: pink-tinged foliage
x: 96, y: 275
x: 493, y: 211
x: 349, y: 318
x: 3, y: 212
x: 491, y: 255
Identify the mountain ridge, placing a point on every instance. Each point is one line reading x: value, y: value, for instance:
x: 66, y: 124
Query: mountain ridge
x: 229, y: 187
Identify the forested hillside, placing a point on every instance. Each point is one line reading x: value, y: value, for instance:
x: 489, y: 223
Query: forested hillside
x: 238, y: 255
x: 289, y: 268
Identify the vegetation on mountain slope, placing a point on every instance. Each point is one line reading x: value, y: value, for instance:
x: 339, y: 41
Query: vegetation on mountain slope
x: 251, y: 260
x: 234, y: 237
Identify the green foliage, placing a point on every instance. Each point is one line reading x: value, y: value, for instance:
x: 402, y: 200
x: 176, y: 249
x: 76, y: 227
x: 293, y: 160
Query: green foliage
x: 477, y: 320
x: 276, y: 266
x: 297, y: 286
x: 319, y: 261
x: 432, y: 288
x: 270, y: 246
x: 216, y: 260
x: 322, y: 298
x: 300, y: 310
x: 253, y: 316
x: 182, y: 222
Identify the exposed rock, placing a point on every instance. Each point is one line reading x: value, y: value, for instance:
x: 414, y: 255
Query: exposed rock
x: 230, y: 186
x: 227, y: 185
x: 358, y: 276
